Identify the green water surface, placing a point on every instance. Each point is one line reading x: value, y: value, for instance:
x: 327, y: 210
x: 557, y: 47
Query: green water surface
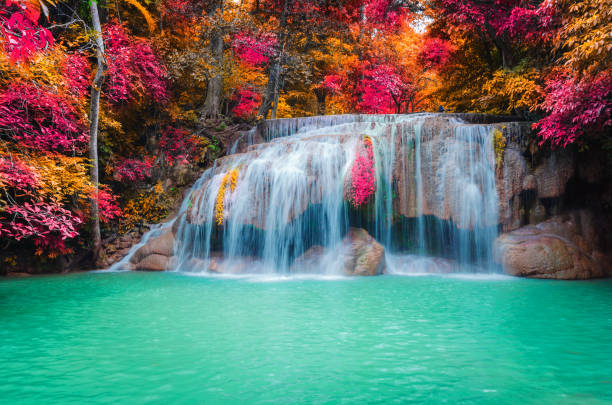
x: 169, y: 338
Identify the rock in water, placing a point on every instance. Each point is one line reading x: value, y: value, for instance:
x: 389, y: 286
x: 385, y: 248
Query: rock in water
x: 153, y: 262
x: 563, y: 247
x: 364, y: 255
x: 155, y: 254
x: 358, y: 255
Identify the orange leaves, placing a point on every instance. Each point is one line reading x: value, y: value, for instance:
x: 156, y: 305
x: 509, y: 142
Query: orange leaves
x: 586, y: 33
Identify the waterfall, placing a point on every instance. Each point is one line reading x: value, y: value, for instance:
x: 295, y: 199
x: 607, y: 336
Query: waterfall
x: 435, y: 193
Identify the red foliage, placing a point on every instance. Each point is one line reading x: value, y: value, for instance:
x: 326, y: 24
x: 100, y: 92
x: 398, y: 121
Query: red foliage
x: 333, y: 83
x: 178, y: 146
x: 255, y: 49
x: 519, y: 19
x: 151, y: 72
x: 133, y: 69
x: 362, y: 174
x: 39, y: 221
x: 108, y: 209
x: 133, y: 170
x: 248, y: 101
x: 575, y: 108
x: 48, y: 225
x: 76, y: 71
x: 377, y: 88
x: 435, y: 53
x: 179, y: 11
x: 16, y: 174
x: 40, y: 119
x: 20, y: 32
x: 383, y: 12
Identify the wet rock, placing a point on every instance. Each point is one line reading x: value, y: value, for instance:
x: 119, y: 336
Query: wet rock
x: 553, y: 174
x: 364, y: 255
x: 153, y: 262
x: 311, y: 261
x: 563, y: 247
x: 530, y: 183
x: 161, y: 245
x: 358, y: 255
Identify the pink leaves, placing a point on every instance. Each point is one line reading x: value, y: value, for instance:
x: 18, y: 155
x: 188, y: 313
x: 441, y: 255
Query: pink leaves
x: 255, y: 50
x: 576, y: 108
x: 133, y: 69
x: 333, y: 83
x: 39, y: 220
x: 20, y: 32
x: 16, y: 174
x: 363, y: 174
x: 132, y: 170
x: 76, y: 70
x: 517, y: 19
x: 435, y: 53
x: 383, y: 12
x: 377, y: 88
x: 108, y: 209
x: 39, y: 119
x: 248, y: 101
x: 178, y: 146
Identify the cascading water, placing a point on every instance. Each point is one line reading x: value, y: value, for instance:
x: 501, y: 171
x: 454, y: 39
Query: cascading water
x: 435, y: 195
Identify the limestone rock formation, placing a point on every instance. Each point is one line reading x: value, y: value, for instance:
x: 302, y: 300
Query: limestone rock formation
x: 562, y: 247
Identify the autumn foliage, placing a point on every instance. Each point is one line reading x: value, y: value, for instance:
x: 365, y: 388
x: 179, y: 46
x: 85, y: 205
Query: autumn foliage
x: 167, y: 61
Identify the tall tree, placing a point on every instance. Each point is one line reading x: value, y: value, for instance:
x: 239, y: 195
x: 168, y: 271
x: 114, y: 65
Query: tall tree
x: 214, y: 90
x: 94, y: 115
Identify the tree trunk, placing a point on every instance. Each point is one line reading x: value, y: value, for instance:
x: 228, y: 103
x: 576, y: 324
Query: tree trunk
x: 501, y: 45
x: 270, y: 98
x: 321, y: 94
x: 214, y: 90
x: 94, y: 114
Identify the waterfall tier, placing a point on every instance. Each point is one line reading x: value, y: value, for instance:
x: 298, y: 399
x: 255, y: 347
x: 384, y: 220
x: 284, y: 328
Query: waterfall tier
x: 268, y: 208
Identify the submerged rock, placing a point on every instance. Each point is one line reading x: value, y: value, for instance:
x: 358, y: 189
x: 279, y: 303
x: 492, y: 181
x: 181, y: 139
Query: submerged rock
x: 563, y: 247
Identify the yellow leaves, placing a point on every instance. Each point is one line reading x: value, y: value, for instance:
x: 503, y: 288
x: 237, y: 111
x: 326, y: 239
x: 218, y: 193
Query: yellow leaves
x: 499, y: 145
x: 148, y: 207
x: 586, y: 34
x: 230, y: 178
x: 507, y: 91
x: 63, y: 178
x: 297, y: 104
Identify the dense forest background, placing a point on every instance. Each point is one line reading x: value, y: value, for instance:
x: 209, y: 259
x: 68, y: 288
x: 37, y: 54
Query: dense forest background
x: 108, y: 109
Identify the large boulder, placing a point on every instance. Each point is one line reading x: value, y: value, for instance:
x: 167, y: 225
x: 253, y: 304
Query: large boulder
x: 363, y: 256
x: 563, y: 247
x: 155, y: 254
x: 153, y: 262
x: 358, y: 255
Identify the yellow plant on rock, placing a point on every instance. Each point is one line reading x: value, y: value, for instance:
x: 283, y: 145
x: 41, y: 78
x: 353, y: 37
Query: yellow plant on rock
x: 148, y: 207
x: 499, y: 144
x: 230, y: 178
